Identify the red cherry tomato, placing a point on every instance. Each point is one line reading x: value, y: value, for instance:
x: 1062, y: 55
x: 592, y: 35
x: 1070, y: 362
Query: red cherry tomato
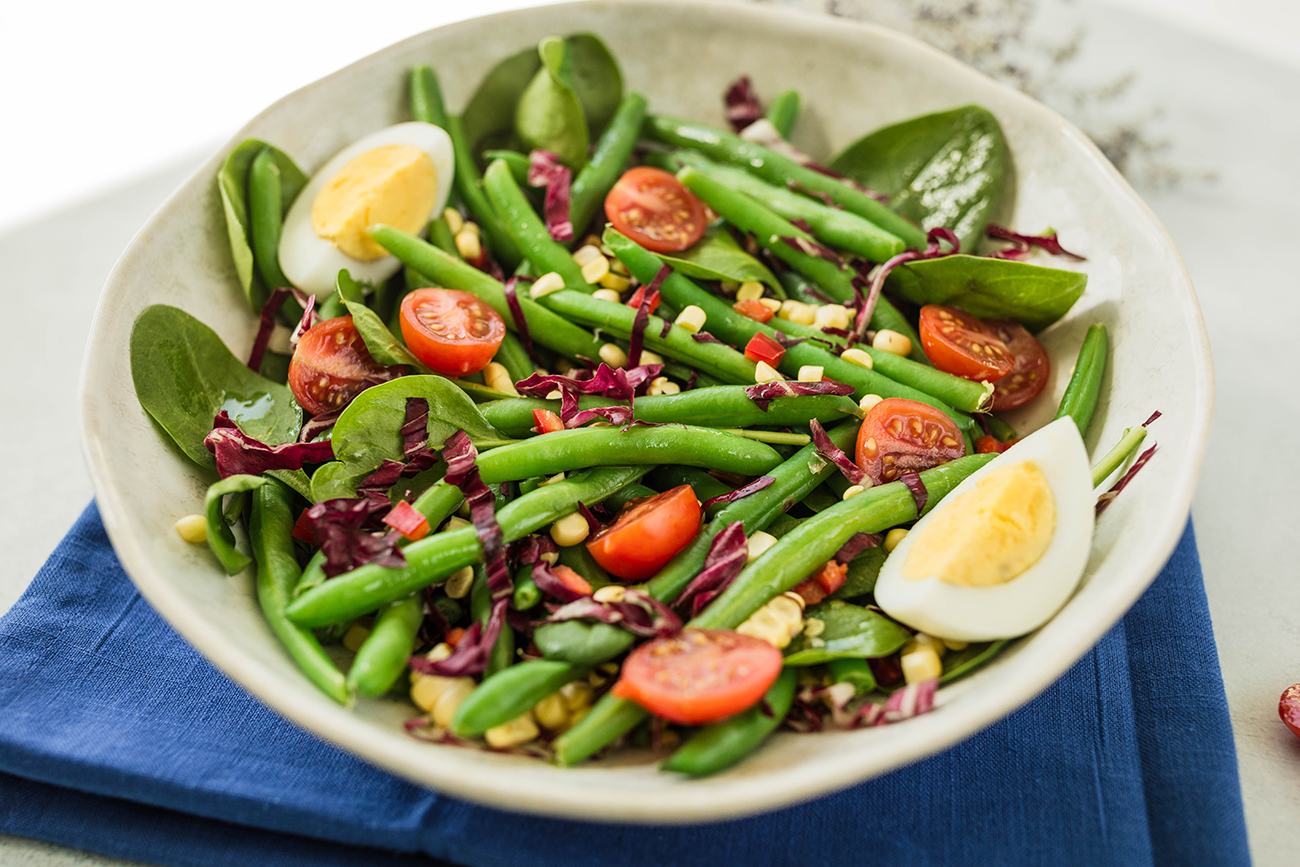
x: 904, y: 436
x: 451, y: 332
x: 648, y: 535
x: 1028, y: 377
x: 754, y: 309
x: 699, y: 676
x: 763, y: 348
x: 651, y: 207
x: 1289, y: 708
x: 332, y: 365
x: 960, y: 344
x: 822, y: 583
x: 991, y: 445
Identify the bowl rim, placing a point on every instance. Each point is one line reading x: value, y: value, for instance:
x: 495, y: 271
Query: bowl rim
x: 693, y: 801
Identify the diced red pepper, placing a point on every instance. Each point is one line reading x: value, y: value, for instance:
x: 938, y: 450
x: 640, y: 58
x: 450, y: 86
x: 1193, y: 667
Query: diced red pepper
x: 639, y: 295
x: 572, y: 580
x: 887, y: 669
x: 406, y: 519
x: 545, y: 421
x: 763, y: 348
x: 454, y: 635
x: 823, y: 582
x: 754, y: 309
x: 302, y: 530
x: 990, y: 445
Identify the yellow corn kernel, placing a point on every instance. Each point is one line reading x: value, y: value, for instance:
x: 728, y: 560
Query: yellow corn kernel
x: 355, y: 637
x: 892, y: 342
x: 893, y: 537
x: 607, y: 295
x: 757, y: 545
x: 455, y: 522
x: 455, y: 221
x: 648, y: 357
x: 587, y: 253
x: 954, y: 645
x: 921, y: 641
x: 495, y: 376
x: 764, y: 372
x: 773, y: 304
x: 193, y: 529
x: 919, y: 665
x: 594, y: 270
x: 577, y: 695
x: 442, y: 650
x: 868, y: 401
x: 618, y: 267
x: 813, y: 627
x: 831, y: 316
x: 551, y: 557
x: 444, y: 709
x: 691, y: 319
x: 811, y: 373
x: 798, y: 312
x: 613, y: 355
x: 750, y: 290
x: 570, y: 530
x: 858, y: 357
x: 853, y: 491
x: 457, y: 586
x: 670, y: 388
x: 426, y: 689
x: 610, y: 593
x: 777, y: 622
x: 545, y: 285
x: 468, y: 244
x: 617, y: 282
x: 551, y: 712
x: 471, y: 226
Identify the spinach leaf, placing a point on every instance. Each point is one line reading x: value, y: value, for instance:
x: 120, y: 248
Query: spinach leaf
x: 549, y: 114
x: 1032, y: 295
x: 717, y: 256
x: 232, y: 181
x: 369, y: 430
x: 596, y: 79
x: 862, y: 574
x: 220, y: 539
x: 184, y: 375
x: 381, y: 343
x: 959, y: 663
x: 852, y: 632
x: 940, y: 169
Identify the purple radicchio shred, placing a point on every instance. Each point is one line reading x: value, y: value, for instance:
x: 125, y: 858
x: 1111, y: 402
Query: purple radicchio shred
x: 1023, y: 243
x: 639, y: 323
x: 531, y: 548
x: 553, y: 585
x: 1107, y: 498
x: 764, y: 393
x: 265, y: 326
x: 615, y: 415
x: 309, y: 318
x: 722, y: 564
x: 933, y: 250
x: 318, y: 424
x: 857, y: 543
x: 706, y: 337
x: 639, y: 613
x: 740, y: 493
x: 668, y: 326
x: 835, y: 454
x: 434, y: 627
x: 742, y: 103
x: 593, y: 525
x: 351, y: 534
x: 802, y: 224
x: 690, y: 382
x: 492, y: 269
x: 1155, y: 415
x: 809, y: 247
x: 415, y: 430
x: 237, y: 452
x: 521, y: 322
x: 787, y: 342
x: 605, y: 381
x: 376, y: 485
x: 545, y: 170
x: 920, y: 495
x: 471, y: 653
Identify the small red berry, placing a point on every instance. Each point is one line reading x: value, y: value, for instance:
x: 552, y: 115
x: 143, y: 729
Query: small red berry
x: 1289, y: 708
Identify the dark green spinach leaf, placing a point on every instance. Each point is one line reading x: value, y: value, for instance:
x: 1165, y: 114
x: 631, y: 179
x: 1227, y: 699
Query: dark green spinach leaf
x: 941, y: 169
x: 184, y: 375
x: 549, y: 114
x: 852, y: 632
x: 232, y: 181
x: 596, y: 78
x: 383, y: 346
x: 717, y: 256
x: 862, y: 574
x: 959, y: 663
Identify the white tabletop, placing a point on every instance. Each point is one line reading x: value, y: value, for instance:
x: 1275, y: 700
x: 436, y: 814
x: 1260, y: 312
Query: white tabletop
x: 1207, y: 131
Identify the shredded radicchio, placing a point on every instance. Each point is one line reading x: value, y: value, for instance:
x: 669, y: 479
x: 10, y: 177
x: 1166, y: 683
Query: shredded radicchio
x: 706, y: 337
x: 649, y: 299
x: 835, y: 454
x: 553, y: 585
x: 722, y: 564
x: 593, y: 524
x: 318, y: 424
x: 309, y: 318
x: 764, y: 393
x: 910, y: 701
x: 521, y: 322
x: 668, y: 326
x: 1023, y: 243
x: 606, y: 381
x: 933, y: 250
x: 265, y: 326
x: 1107, y: 498
x: 857, y: 543
x: 237, y: 452
x: 545, y: 170
x: 787, y: 342
x: 351, y: 534
x: 919, y: 493
x: 742, y: 103
x: 639, y: 613
x: 740, y: 493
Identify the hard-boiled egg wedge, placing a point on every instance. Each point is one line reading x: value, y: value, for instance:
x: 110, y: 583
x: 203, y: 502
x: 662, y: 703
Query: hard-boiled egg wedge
x: 1004, y: 551
x: 400, y: 176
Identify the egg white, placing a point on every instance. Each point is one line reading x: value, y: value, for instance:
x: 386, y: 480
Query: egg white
x: 1029, y: 600
x: 311, y: 262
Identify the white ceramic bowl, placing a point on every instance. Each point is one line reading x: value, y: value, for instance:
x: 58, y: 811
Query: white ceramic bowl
x: 854, y: 78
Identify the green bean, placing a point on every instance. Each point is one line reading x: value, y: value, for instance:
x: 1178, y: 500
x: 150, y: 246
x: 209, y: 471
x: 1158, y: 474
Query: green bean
x: 313, y: 574
x: 526, y: 594
x: 597, y: 177
x: 726, y: 324
x: 1001, y: 431
x: 266, y: 216
x: 440, y: 236
x: 964, y: 662
x: 1116, y: 457
x: 426, y: 97
x: 435, y: 557
x: 381, y: 659
x: 620, y: 498
x: 831, y: 226
x: 545, y: 327
x: 510, y: 692
x: 783, y: 566
x: 779, y: 170
x: 220, y: 538
x: 800, y: 288
x: 527, y: 229
x: 783, y: 111
x: 715, y: 359
x: 719, y: 746
x: 706, y: 487
x: 1080, y: 399
x: 854, y: 671
x: 470, y: 187
x: 438, y: 502
x: 480, y: 609
x: 569, y: 450
x: 519, y: 163
x: 271, y: 529
x: 512, y: 354
x: 449, y: 608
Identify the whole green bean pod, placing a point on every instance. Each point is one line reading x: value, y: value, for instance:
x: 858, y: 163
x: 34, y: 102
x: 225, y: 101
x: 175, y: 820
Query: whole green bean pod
x: 526, y: 594
x: 783, y: 111
x: 519, y: 163
x: 547, y: 328
x: 779, y: 170
x: 855, y: 671
x: 426, y: 97
x: 381, y: 659
x: 718, y: 746
x: 706, y: 487
x: 271, y: 532
x: 1001, y: 431
x: 1080, y: 399
x: 469, y: 185
x: 784, y: 565
x: 597, y: 177
x: 526, y: 228
x: 440, y: 236
x: 435, y: 557
x: 513, y: 691
x: 266, y: 217
x: 1121, y: 452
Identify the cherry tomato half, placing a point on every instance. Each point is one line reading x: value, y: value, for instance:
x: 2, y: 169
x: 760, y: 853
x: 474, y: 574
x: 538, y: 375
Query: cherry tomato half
x: 451, y: 332
x: 332, y: 365
x: 962, y: 345
x: 651, y: 207
x: 699, y: 676
x: 905, y: 436
x: 1288, y: 707
x: 648, y: 534
x: 1029, y: 376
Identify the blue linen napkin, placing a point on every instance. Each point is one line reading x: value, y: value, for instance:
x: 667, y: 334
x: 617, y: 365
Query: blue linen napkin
x: 116, y: 736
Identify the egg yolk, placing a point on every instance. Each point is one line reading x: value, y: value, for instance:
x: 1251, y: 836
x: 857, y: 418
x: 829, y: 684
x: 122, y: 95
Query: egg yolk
x: 989, y: 534
x: 395, y: 185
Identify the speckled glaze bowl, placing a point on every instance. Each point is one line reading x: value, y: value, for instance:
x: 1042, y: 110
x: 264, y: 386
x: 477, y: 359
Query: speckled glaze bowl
x: 681, y: 55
